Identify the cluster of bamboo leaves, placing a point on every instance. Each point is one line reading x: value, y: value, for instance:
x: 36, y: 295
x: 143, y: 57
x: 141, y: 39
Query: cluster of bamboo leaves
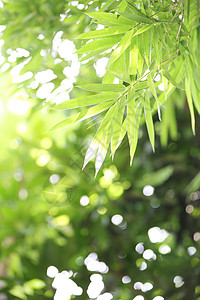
x: 154, y: 54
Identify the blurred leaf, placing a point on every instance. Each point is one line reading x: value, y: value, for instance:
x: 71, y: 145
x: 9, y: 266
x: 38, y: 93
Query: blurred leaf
x: 149, y: 120
x: 157, y: 177
x: 190, y: 103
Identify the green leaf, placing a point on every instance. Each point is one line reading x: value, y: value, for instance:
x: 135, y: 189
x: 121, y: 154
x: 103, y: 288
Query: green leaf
x: 143, y: 29
x: 137, y: 18
x: 193, y: 186
x: 149, y: 120
x: 83, y: 115
x: 187, y: 9
x: 102, y: 150
x: 35, y: 283
x: 123, y: 45
x: 119, y: 68
x: 105, y: 43
x: 103, y: 87
x: 157, y: 46
x: 194, y: 88
x: 139, y: 15
x: 153, y: 90
x: 116, y: 128
x: 106, y: 5
x: 109, y: 19
x: 122, y: 132
x: 18, y: 291
x: 171, y: 79
x: 190, y: 103
x: 108, y: 78
x: 172, y: 120
x: 87, y: 100
x: 101, y: 141
x: 110, y: 31
x: 147, y: 45
x: 133, y: 58
x: 92, y: 54
x: 164, y: 128
x: 134, y: 112
x: 122, y: 6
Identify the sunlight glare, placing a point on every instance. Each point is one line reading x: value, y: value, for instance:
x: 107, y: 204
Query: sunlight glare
x: 100, y: 66
x: 148, y: 190
x: 117, y: 220
x: 18, y: 107
x: 52, y: 271
x: 157, y: 235
x: 191, y: 250
x: 126, y: 279
x: 84, y: 201
x: 138, y: 297
x: 149, y: 254
x: 164, y: 249
x: 139, y: 248
x: 105, y: 296
x: 178, y: 281
x: 96, y: 286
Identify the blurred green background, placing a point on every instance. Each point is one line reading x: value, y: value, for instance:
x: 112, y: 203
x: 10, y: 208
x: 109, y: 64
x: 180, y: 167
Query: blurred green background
x: 137, y: 227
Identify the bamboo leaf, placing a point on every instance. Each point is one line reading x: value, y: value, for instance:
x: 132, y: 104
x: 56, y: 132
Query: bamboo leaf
x: 130, y: 115
x: 102, y: 150
x: 149, y: 120
x: 105, y: 43
x: 137, y: 18
x: 109, y: 19
x: 122, y: 132
x: 106, y: 5
x: 101, y: 140
x: 110, y: 31
x: 187, y: 9
x: 153, y: 90
x: 117, y: 125
x: 133, y: 58
x: 133, y: 122
x: 137, y: 117
x: 171, y: 79
x: 143, y: 29
x: 164, y: 128
x: 83, y: 115
x: 190, y: 103
x: 172, y: 123
x: 119, y: 68
x: 157, y: 46
x: 92, y: 54
x: 194, y: 88
x: 87, y: 100
x: 123, y: 45
x: 137, y: 13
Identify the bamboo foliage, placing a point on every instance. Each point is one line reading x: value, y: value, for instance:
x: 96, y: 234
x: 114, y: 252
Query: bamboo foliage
x: 152, y: 40
x: 153, y: 51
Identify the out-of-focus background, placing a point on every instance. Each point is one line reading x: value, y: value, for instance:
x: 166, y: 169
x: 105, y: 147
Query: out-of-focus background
x: 131, y: 233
